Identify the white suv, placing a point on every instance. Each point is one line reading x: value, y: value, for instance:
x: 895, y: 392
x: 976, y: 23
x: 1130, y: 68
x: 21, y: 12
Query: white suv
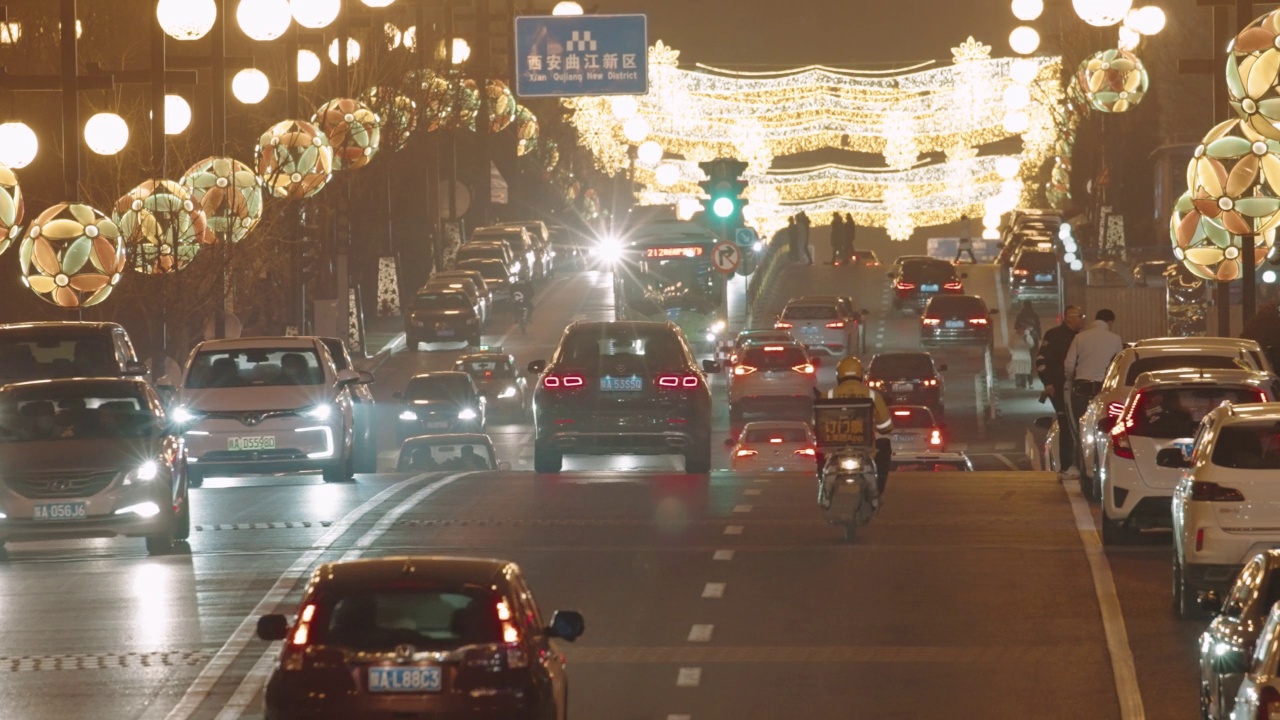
x: 1147, y: 356
x: 1163, y: 412
x: 774, y: 378
x: 820, y: 323
x: 1227, y: 505
x: 266, y: 405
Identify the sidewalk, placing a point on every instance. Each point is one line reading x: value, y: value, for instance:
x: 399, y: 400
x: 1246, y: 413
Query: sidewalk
x: 383, y: 336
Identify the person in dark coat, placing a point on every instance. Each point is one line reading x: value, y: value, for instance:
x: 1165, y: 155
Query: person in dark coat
x: 1049, y: 366
x: 837, y: 238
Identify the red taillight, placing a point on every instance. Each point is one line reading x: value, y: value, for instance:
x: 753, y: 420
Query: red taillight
x: 563, y: 380
x: 1213, y: 492
x: 745, y: 453
x: 782, y: 325
x: 954, y: 285
x: 931, y: 321
x: 1268, y: 703
x: 836, y: 325
x: 1120, y: 442
x: 743, y: 369
x: 977, y: 321
x: 929, y: 382
x: 935, y: 438
x: 674, y: 381
x: 1114, y: 409
x: 1262, y: 397
x: 775, y: 440
x: 809, y: 452
x: 805, y: 369
x: 875, y: 384
x: 902, y: 413
x: 1199, y: 539
x: 905, y: 285
x: 1020, y: 272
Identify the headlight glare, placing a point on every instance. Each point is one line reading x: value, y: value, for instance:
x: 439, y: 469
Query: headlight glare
x: 507, y: 392
x: 850, y: 464
x: 408, y: 415
x: 319, y: 412
x: 467, y: 414
x: 183, y: 415
x: 147, y: 471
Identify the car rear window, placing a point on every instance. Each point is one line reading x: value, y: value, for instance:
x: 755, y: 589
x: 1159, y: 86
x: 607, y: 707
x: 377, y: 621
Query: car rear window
x: 1178, y: 362
x: 430, y: 455
x: 255, y: 367
x: 480, y: 367
x: 956, y: 306
x: 1176, y: 412
x: 781, y: 435
x: 40, y: 355
x: 76, y: 411
x: 481, y: 252
x: 591, y: 347
x: 900, y: 366
x: 491, y: 269
x: 1038, y: 262
x: 774, y: 357
x: 1248, y: 447
x: 441, y: 301
x: 810, y: 312
x: 380, y: 620
x: 912, y: 418
x: 928, y: 271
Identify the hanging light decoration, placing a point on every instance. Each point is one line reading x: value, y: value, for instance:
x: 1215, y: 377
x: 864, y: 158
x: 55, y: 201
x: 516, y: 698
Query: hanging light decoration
x: 1149, y: 20
x: 1234, y: 179
x: 295, y: 159
x: 502, y: 106
x: 1113, y: 80
x: 161, y: 227
x: 315, y: 14
x: 1129, y: 38
x: 353, y: 51
x: 1027, y: 10
x: 399, y: 115
x: 308, y: 66
x: 377, y: 3
x: 1207, y: 249
x: 106, y: 133
x: 526, y: 125
x: 18, y: 145
x: 71, y: 256
x: 229, y: 195
x: 636, y: 130
x: 1024, y: 40
x: 649, y: 153
x: 354, y: 131
x: 1007, y: 167
x: 1017, y: 97
x: 12, y: 207
x: 624, y: 107
x: 264, y: 20
x: 250, y: 86
x: 186, y: 19
x: 1253, y: 69
x: 1102, y: 13
x: 177, y: 114
x: 667, y: 174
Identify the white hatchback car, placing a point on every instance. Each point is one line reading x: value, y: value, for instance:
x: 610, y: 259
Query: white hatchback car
x: 266, y: 405
x: 774, y: 445
x: 1147, y: 356
x: 1259, y: 695
x: 821, y: 324
x: 915, y: 430
x: 1227, y: 505
x: 776, y: 379
x: 1163, y: 411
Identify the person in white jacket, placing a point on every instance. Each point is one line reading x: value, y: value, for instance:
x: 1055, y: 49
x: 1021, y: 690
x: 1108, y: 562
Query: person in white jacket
x: 1086, y: 365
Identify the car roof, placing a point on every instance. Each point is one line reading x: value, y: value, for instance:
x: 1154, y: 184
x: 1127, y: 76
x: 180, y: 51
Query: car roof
x: 77, y: 381
x: 900, y: 353
x: 483, y: 355
x: 433, y: 569
x: 585, y: 325
x: 1202, y: 377
x: 1247, y: 412
x: 825, y: 298
x: 814, y: 300
x: 448, y: 374
x: 250, y: 343
x: 1194, y: 342
x: 943, y: 299
x: 447, y: 438
x: 63, y: 324
x: 774, y: 425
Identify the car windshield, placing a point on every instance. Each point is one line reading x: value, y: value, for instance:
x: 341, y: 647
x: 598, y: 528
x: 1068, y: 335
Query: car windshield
x: 928, y: 271
x: 1248, y: 447
x: 810, y: 312
x: 486, y: 369
x: 255, y: 367
x: 1038, y: 262
x: 76, y: 411
x: 513, y: 238
x: 447, y: 387
x: 912, y: 418
x: 481, y: 252
x: 37, y: 355
x: 1178, y: 362
x: 490, y: 270
x: 441, y: 301
x: 372, y: 619
x: 774, y: 357
x: 428, y: 456
x: 900, y: 366
x: 775, y: 435
x: 956, y: 306
x: 1171, y: 413
x: 627, y: 346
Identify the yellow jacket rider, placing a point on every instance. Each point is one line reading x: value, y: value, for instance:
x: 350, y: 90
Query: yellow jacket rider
x: 850, y: 384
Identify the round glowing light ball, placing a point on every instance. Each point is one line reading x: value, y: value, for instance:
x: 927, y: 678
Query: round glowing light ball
x: 186, y: 19
x: 71, y: 256
x: 177, y: 114
x: 1024, y: 40
x: 160, y: 226
x: 354, y: 131
x: 636, y: 129
x: 264, y: 20
x: 1148, y: 20
x: 228, y: 193
x: 1102, y: 13
x: 393, y: 34
x: 12, y: 207
x: 649, y: 152
x: 566, y: 7
x: 667, y: 174
x: 1234, y: 179
x: 295, y: 159
x: 308, y: 66
x: 990, y: 222
x: 315, y: 14
x: 1017, y: 97
x: 1023, y: 71
x: 106, y: 133
x: 353, y: 51
x: 1016, y: 122
x: 1129, y: 38
x: 1253, y: 69
x: 624, y: 107
x: 1027, y: 10
x: 377, y: 3
x: 250, y: 86
x: 18, y: 145
x: 1007, y: 167
x: 1113, y: 80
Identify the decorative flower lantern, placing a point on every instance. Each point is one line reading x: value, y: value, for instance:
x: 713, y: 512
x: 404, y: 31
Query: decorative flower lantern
x: 502, y: 105
x: 228, y: 193
x: 1253, y: 64
x: 464, y: 105
x: 11, y: 207
x: 72, y: 256
x: 526, y: 129
x: 1234, y: 179
x: 433, y: 97
x: 1205, y: 248
x: 160, y: 226
x: 295, y: 159
x: 354, y: 131
x: 399, y: 115
x: 1113, y: 80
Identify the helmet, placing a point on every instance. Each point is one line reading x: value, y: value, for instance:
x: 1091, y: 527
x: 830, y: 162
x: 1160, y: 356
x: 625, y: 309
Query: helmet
x: 849, y: 368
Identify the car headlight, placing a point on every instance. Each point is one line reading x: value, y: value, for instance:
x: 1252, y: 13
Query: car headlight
x: 319, y: 412
x: 146, y: 472
x: 467, y: 414
x: 507, y: 392
x: 183, y: 415
x: 757, y: 246
x: 408, y: 415
x: 850, y: 464
x: 718, y: 326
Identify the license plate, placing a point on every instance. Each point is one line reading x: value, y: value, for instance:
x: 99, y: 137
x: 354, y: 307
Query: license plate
x: 809, y: 330
x: 928, y: 288
x: 61, y: 511
x: 901, y: 438
x: 261, y: 442
x: 438, y: 425
x: 444, y: 333
x: 955, y: 323
x: 404, y: 679
x: 902, y: 387
x: 621, y: 384
x: 1044, y: 278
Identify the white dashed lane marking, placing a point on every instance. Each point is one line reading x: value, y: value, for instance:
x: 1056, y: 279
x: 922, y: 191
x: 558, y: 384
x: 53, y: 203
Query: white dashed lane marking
x: 722, y: 555
x: 701, y: 633
x: 713, y: 590
x: 688, y: 677
x: 733, y: 530
x: 742, y: 508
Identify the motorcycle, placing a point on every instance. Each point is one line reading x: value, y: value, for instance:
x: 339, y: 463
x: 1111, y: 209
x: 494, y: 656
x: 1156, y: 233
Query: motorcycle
x: 847, y: 490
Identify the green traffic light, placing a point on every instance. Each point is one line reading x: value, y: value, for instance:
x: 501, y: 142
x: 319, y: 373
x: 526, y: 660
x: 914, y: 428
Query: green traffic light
x: 722, y: 207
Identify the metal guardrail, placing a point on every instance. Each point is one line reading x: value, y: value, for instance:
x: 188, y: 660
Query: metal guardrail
x: 765, y: 276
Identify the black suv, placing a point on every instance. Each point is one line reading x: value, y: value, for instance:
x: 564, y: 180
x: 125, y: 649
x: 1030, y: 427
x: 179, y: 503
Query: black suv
x: 1034, y: 274
x: 622, y: 387
x: 446, y: 401
x: 956, y: 320
x: 440, y: 315
x: 907, y: 378
x: 918, y: 279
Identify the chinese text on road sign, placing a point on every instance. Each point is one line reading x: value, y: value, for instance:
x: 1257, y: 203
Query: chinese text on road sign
x: 567, y: 55
x: 726, y: 256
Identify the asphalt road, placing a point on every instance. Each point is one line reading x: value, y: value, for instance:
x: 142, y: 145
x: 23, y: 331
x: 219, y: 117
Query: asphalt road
x: 970, y: 595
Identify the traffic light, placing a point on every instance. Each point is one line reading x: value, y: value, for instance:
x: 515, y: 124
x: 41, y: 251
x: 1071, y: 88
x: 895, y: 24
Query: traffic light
x: 724, y: 187
x: 309, y: 260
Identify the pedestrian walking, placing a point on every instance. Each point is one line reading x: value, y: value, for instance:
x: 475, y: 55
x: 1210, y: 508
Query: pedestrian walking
x: 793, y: 239
x: 802, y: 222
x: 1028, y: 321
x: 850, y: 232
x: 965, y: 243
x: 1086, y: 365
x: 1050, y: 359
x: 837, y: 239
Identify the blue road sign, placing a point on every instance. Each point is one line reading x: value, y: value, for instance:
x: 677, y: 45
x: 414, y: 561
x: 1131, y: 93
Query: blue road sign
x: 745, y: 236
x: 568, y: 55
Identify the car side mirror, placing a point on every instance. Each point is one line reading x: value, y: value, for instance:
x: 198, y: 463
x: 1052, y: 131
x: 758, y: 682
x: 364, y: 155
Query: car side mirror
x: 993, y: 311
x: 964, y: 276
x: 1172, y: 458
x: 133, y: 367
x: 366, y: 378
x: 348, y: 377
x: 566, y: 625
x: 273, y: 627
x: 537, y: 366
x: 1210, y: 602
x: 504, y: 466
x: 730, y: 442
x: 710, y: 366
x: 942, y: 367
x: 1045, y: 423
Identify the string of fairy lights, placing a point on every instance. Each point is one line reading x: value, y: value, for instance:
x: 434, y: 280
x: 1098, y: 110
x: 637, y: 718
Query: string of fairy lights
x: 693, y: 115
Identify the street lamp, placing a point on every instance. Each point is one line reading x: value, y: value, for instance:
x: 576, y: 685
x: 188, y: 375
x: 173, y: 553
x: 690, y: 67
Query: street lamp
x: 18, y: 144
x: 636, y: 130
x: 461, y: 51
x: 624, y: 107
x: 649, y: 153
x: 1147, y: 20
x: 186, y: 19
x: 308, y: 66
x: 1007, y: 167
x: 1102, y: 13
x: 177, y: 114
x: 1024, y: 40
x: 377, y: 3
x: 567, y: 7
x: 667, y: 174
x: 353, y: 51
x: 1027, y: 10
x: 315, y: 14
x: 106, y: 133
x: 250, y: 86
x: 264, y: 19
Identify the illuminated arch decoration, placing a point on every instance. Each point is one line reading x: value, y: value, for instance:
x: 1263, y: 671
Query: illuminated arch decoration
x: 71, y: 256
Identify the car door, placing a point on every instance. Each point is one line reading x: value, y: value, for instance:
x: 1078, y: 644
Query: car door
x: 552, y: 662
x: 1235, y: 628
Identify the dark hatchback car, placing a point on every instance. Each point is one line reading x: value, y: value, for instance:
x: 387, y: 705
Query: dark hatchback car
x: 498, y: 276
x: 570, y: 246
x: 1034, y: 273
x: 498, y: 379
x: 622, y: 388
x: 524, y: 252
x: 449, y: 453
x: 42, y: 350
x: 917, y: 280
x: 442, y: 315
x: 440, y: 402
x: 1228, y: 644
x: 956, y: 320
x: 907, y: 378
x: 419, y: 637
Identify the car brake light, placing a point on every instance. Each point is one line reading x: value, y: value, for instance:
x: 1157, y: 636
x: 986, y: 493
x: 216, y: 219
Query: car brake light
x: 671, y: 381
x: 902, y: 413
x: 809, y: 452
x: 565, y: 380
x: 1114, y: 409
x: 935, y: 438
x: 782, y: 325
x: 836, y: 325
x: 954, y: 285
x: 875, y: 384
x: 1262, y: 397
x: 1020, y: 272
x: 775, y: 439
x: 745, y: 453
x: 743, y: 369
x: 905, y: 285
x: 1120, y: 442
x: 805, y: 369
x: 1213, y: 492
x: 929, y: 382
x: 978, y: 321
x: 931, y: 321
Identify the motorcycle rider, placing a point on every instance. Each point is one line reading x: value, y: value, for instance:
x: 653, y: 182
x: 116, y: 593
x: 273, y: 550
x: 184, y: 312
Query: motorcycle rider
x: 850, y: 384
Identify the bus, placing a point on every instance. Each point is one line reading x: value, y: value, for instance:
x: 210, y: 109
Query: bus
x: 664, y: 272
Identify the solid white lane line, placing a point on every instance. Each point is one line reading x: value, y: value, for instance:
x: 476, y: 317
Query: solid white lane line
x: 679, y: 717
x: 713, y: 591
x: 247, y: 630
x: 701, y: 633
x: 257, y: 677
x: 733, y: 530
x: 1104, y: 586
x: 742, y: 508
x: 688, y: 677
x: 722, y: 555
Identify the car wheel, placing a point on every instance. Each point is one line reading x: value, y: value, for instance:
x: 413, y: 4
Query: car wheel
x: 1115, y: 533
x: 182, y: 524
x: 697, y: 459
x: 546, y: 460
x: 341, y: 470
x: 195, y: 478
x: 1184, y: 597
x: 161, y: 543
